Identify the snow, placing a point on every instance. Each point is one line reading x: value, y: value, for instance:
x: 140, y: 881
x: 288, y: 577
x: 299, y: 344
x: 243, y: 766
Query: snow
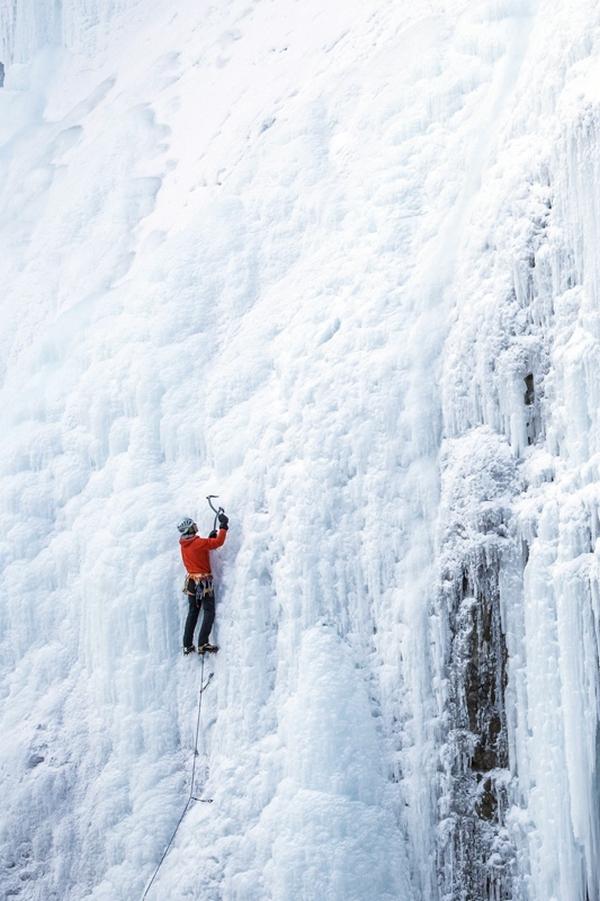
x: 337, y: 264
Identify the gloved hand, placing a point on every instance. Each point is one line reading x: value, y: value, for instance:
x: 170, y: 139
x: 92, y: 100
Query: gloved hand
x: 223, y: 521
x: 212, y: 533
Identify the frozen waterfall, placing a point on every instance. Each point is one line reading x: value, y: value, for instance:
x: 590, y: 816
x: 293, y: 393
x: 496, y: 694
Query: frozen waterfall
x: 338, y: 264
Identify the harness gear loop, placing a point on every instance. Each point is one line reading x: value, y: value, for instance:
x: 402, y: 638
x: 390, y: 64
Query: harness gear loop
x: 203, y: 585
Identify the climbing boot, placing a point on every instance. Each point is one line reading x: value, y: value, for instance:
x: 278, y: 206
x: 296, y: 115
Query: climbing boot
x: 189, y: 650
x: 208, y: 649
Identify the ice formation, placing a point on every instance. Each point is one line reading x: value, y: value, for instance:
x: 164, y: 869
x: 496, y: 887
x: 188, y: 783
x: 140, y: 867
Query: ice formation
x: 337, y: 263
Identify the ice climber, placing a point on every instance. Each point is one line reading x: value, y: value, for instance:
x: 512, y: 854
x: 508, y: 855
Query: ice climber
x: 199, y: 581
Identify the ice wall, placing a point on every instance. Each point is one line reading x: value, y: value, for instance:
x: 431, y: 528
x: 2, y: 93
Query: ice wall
x: 337, y: 264
x: 520, y: 362
x: 28, y: 26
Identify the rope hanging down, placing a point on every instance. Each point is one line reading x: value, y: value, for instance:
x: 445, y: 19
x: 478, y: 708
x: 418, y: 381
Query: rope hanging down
x: 203, y: 686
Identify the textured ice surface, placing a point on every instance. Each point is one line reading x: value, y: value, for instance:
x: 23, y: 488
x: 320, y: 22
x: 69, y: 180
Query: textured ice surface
x: 338, y: 263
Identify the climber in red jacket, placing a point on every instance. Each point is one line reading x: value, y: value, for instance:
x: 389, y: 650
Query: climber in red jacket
x: 199, y: 581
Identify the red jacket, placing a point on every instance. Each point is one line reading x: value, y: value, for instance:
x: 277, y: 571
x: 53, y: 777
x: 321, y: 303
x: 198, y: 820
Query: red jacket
x: 194, y: 551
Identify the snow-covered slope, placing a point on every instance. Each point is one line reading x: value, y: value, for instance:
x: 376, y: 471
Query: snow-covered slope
x: 338, y: 264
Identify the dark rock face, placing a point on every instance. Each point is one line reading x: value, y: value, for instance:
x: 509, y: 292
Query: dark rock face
x: 475, y: 856
x: 475, y: 853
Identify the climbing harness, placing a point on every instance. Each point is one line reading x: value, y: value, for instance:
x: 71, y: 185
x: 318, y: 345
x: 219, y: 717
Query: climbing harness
x: 191, y: 797
x: 203, y: 585
x: 216, y: 511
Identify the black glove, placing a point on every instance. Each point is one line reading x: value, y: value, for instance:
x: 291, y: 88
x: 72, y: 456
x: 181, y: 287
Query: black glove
x: 212, y: 533
x: 223, y: 521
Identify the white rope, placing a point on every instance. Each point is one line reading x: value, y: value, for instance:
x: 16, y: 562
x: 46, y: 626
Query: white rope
x: 193, y: 777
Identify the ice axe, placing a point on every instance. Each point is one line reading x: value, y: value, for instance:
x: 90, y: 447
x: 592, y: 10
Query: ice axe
x: 216, y: 511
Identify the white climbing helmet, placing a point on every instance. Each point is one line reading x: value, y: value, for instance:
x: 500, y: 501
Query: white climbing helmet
x: 185, y: 525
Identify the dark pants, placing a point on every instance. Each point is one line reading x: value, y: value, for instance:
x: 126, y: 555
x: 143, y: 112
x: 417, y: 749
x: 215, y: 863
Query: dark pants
x: 207, y: 603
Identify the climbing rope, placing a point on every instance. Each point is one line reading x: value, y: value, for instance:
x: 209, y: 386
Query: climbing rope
x: 191, y: 797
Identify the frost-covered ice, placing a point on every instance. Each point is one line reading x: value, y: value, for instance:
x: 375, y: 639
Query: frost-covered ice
x: 337, y: 263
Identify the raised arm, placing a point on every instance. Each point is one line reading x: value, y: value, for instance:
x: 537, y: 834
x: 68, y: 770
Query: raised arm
x: 212, y: 543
